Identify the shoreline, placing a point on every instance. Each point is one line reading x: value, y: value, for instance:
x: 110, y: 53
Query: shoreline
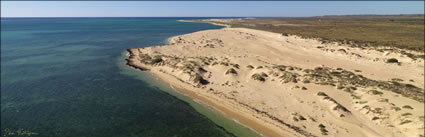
x: 244, y: 121
x: 239, y: 119
x: 266, y: 122
x: 200, y: 21
x: 200, y: 104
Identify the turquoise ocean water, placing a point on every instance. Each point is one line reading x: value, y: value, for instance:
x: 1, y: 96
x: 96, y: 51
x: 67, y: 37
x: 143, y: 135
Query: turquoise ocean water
x: 65, y: 77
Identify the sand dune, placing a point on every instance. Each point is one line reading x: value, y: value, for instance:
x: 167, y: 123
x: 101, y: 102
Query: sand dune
x: 289, y: 86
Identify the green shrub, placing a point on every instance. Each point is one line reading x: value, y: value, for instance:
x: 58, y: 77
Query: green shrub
x: 355, y: 97
x: 382, y: 100
x: 406, y: 114
x: 363, y: 102
x: 295, y: 119
x: 301, y: 117
x: 396, y: 108
x: 250, y: 67
x: 258, y: 77
x: 236, y: 66
x: 407, y: 107
x: 392, y: 60
x: 375, y: 92
x: 321, y: 94
x: 405, y: 122
x: 323, y: 129
x: 224, y: 63
x: 312, y: 119
x: 156, y: 60
x: 264, y: 74
x: 231, y: 71
x: 322, y: 126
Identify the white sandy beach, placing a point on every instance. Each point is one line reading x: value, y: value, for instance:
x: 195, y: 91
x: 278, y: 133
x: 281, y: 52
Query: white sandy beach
x: 289, y: 86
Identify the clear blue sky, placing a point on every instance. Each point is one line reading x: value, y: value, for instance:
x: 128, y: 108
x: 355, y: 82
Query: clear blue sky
x: 203, y: 8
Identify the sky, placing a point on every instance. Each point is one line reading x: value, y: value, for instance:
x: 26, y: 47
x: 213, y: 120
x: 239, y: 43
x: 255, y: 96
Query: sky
x: 204, y: 8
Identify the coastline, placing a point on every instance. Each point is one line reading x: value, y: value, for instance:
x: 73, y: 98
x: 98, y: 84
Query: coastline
x: 254, y: 126
x: 261, y: 122
x: 263, y: 128
x: 215, y: 115
x: 243, y: 120
x: 200, y: 21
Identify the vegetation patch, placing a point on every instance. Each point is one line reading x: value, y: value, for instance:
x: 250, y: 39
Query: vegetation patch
x: 375, y: 92
x: 405, y: 122
x: 406, y: 114
x: 300, y: 117
x: 375, y: 118
x: 350, y: 80
x: 259, y: 76
x: 323, y: 129
x: 365, y: 30
x: 382, y: 100
x: 392, y: 60
x: 231, y: 71
x: 289, y: 77
x: 396, y: 108
x: 322, y: 94
x: 407, y: 107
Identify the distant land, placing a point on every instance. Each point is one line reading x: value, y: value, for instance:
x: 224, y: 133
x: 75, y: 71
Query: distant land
x: 401, y: 31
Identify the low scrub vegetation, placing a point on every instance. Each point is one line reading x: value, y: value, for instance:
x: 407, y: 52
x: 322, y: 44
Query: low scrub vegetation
x: 407, y: 107
x: 259, y: 76
x: 231, y: 71
x: 375, y: 92
x: 392, y: 60
x: 401, y: 31
x: 323, y: 129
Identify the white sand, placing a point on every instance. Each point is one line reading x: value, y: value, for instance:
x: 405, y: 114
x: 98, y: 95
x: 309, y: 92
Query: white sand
x: 274, y: 108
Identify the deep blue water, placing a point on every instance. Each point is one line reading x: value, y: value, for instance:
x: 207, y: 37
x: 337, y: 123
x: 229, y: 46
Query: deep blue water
x: 60, y: 77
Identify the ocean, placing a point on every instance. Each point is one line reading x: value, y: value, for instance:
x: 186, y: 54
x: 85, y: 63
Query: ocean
x: 66, y: 77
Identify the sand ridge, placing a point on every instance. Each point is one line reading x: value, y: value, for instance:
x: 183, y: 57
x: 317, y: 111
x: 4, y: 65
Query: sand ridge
x: 293, y: 86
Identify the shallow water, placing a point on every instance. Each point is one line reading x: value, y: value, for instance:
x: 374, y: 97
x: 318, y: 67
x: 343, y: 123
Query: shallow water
x: 65, y: 77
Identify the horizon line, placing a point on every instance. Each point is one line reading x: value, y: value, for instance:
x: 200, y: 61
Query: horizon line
x: 422, y: 14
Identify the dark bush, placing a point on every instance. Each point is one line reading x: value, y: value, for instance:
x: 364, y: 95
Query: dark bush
x: 322, y: 126
x: 258, y: 77
x: 375, y: 92
x: 231, y: 71
x: 301, y: 117
x: 392, y: 60
x: 236, y: 66
x: 322, y: 94
x: 407, y: 107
